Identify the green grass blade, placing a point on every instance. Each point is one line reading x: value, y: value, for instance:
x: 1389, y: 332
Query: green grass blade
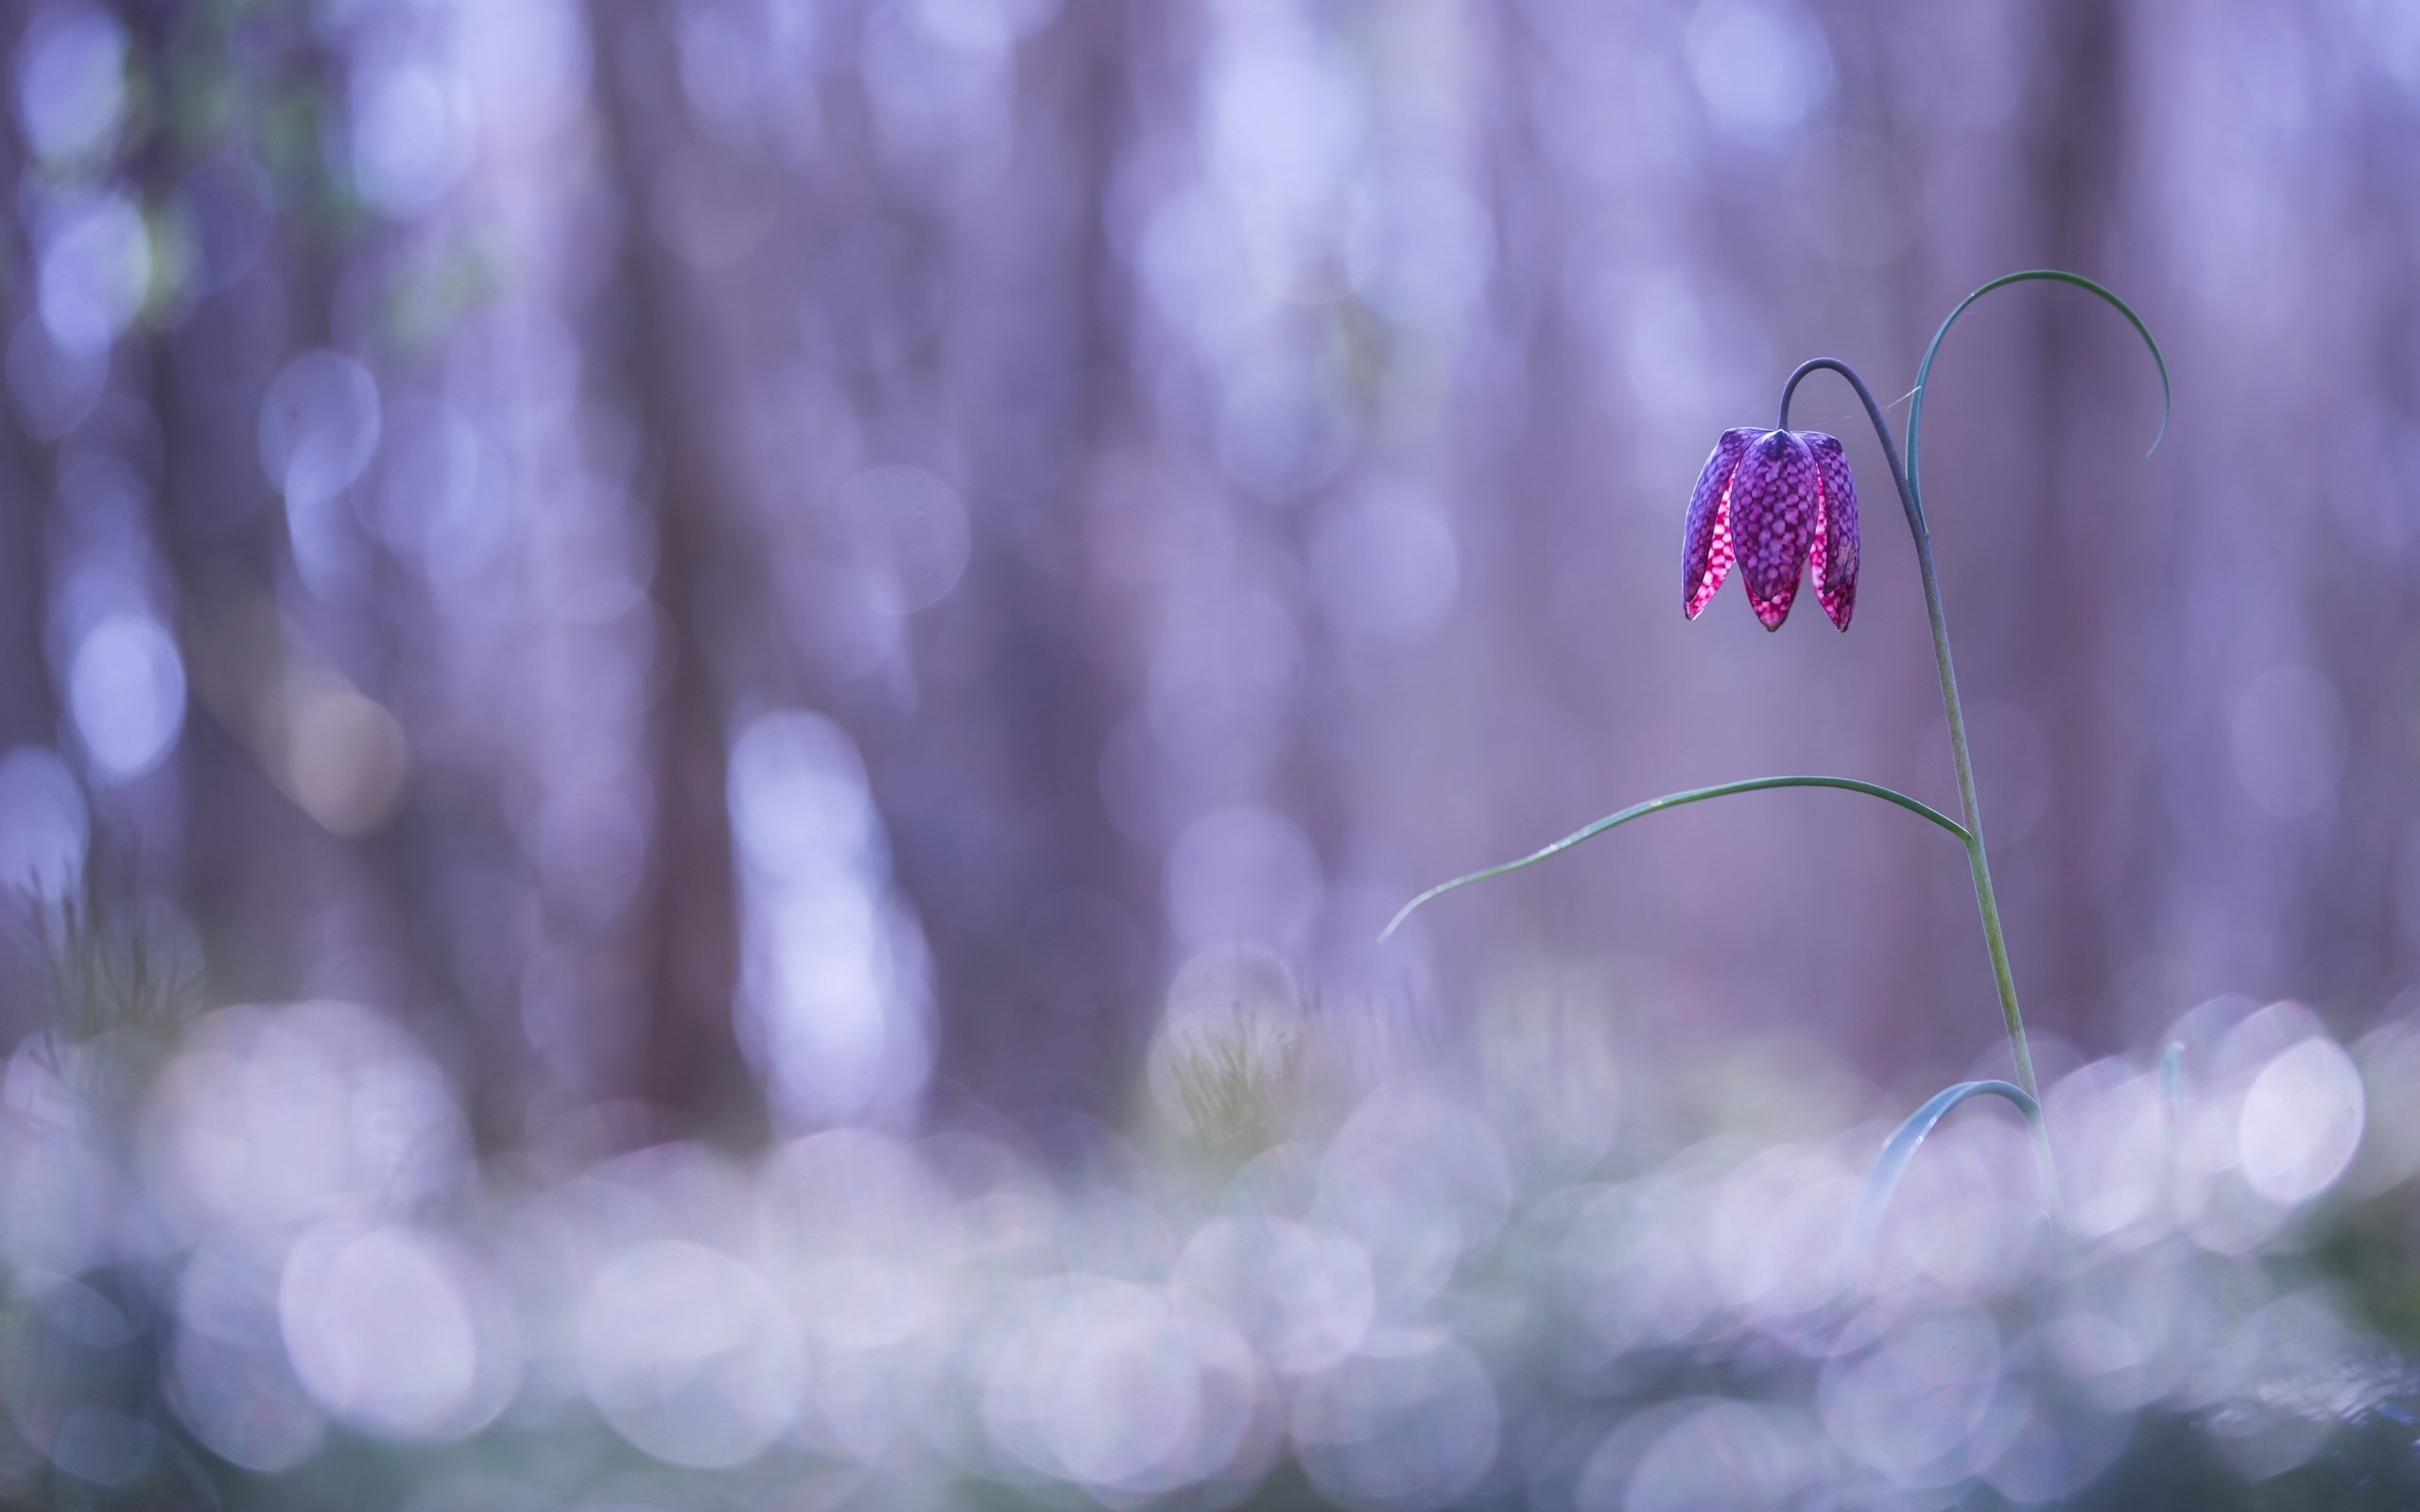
x: 1924, y: 371
x: 1674, y: 800
x: 1882, y: 1182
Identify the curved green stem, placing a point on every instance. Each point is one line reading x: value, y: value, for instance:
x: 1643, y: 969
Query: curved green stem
x: 1674, y: 800
x: 1977, y: 859
x: 1923, y: 369
x: 1912, y: 501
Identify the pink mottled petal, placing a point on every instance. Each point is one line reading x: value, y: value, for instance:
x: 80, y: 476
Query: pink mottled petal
x: 1774, y: 502
x: 1719, y: 561
x: 1706, y: 546
x: 1833, y: 562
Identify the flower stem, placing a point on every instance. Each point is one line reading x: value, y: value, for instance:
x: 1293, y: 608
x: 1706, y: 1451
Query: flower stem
x: 1977, y: 858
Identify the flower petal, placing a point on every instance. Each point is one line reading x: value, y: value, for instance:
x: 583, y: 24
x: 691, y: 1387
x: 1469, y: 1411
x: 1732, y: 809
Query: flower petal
x: 1833, y: 562
x: 1775, y: 500
x: 1705, y: 545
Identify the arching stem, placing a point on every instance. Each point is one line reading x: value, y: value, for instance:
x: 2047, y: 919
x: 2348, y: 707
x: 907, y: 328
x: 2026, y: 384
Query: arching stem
x: 1977, y: 858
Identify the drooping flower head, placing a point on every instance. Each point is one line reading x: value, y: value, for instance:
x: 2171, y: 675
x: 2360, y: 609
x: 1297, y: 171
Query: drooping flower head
x: 1775, y: 501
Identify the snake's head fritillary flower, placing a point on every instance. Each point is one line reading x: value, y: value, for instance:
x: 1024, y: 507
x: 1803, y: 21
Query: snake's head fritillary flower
x: 1774, y: 502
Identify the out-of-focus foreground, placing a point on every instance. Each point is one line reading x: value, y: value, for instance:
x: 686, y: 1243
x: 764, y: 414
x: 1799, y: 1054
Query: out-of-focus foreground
x: 706, y: 705
x: 254, y: 1263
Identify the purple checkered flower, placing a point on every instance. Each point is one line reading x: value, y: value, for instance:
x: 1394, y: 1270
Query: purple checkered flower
x: 1774, y: 502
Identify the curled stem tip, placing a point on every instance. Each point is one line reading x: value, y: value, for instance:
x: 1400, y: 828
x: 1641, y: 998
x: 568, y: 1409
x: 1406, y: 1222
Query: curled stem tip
x: 1924, y: 370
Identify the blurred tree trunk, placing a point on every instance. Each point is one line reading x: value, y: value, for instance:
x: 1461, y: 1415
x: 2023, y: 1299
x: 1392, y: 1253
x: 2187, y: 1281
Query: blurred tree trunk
x: 2077, y: 153
x: 28, y: 709
x: 284, y: 904
x: 693, y: 1063
x: 28, y: 704
x: 241, y: 847
x: 1054, y: 374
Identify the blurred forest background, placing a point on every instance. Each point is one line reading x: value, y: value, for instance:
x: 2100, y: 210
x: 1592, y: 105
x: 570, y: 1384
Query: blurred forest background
x: 755, y: 564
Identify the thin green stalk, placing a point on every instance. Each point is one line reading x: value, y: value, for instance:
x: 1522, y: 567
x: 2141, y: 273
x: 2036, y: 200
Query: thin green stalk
x: 1979, y: 863
x: 1977, y: 858
x: 1912, y: 500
